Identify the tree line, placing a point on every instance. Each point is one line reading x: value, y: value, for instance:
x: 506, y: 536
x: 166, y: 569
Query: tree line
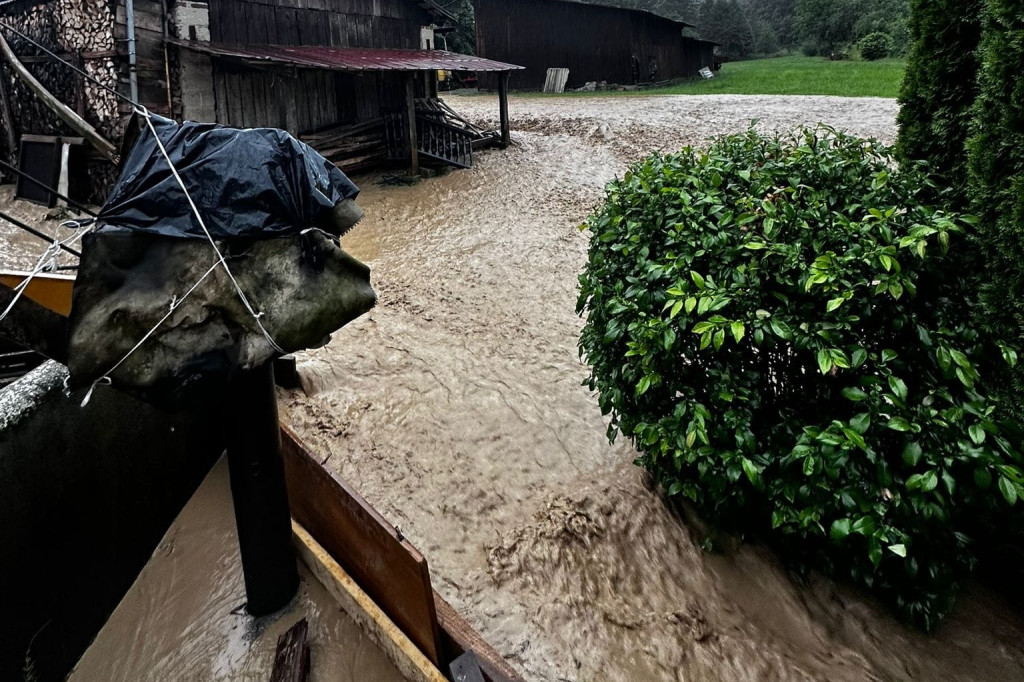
x: 747, y: 28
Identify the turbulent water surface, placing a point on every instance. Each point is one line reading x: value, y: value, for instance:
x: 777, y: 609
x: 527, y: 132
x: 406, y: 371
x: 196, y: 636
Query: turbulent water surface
x: 456, y: 408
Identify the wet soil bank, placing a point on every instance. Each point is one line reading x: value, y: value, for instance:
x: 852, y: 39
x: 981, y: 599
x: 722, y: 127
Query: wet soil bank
x: 456, y: 409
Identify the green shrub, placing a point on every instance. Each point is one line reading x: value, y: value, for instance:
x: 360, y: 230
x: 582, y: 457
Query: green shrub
x: 874, y: 46
x: 774, y: 325
x: 939, y: 88
x: 997, y: 176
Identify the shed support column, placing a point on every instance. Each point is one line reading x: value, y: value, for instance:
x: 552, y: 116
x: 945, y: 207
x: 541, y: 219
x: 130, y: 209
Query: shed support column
x: 410, y: 107
x: 506, y: 136
x: 256, y: 469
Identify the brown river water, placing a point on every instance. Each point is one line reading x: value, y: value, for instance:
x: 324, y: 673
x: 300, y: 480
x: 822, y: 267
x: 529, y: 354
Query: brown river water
x: 456, y: 408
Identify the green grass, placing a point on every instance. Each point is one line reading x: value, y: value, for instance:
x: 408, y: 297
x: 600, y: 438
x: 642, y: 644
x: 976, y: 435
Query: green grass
x: 796, y: 76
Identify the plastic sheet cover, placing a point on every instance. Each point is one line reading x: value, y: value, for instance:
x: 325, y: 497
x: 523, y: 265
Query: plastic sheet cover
x: 258, y: 183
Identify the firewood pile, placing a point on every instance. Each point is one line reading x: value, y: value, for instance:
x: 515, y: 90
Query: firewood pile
x: 83, y: 33
x: 351, y: 147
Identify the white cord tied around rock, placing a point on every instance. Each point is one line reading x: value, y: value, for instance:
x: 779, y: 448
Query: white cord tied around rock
x: 175, y: 301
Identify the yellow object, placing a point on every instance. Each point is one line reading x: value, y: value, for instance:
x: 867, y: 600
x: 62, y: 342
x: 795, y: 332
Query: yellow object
x: 48, y: 290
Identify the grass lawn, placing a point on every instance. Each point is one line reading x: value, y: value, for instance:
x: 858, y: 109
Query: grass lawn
x: 797, y: 76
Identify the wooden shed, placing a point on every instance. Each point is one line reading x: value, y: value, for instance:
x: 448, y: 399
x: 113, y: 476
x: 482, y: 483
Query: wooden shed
x: 355, y: 77
x: 595, y: 42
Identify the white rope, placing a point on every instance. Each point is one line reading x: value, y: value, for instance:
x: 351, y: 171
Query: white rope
x: 175, y: 301
x: 195, y: 210
x: 47, y: 262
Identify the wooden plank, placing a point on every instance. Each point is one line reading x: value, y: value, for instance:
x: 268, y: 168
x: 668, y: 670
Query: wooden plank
x: 457, y: 637
x: 291, y: 659
x: 34, y: 327
x: 387, y: 567
x: 393, y: 642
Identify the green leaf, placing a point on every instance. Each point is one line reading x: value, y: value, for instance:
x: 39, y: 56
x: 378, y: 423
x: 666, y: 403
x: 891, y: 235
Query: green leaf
x: 898, y: 424
x: 675, y: 310
x: 912, y: 454
x: 835, y: 303
x: 855, y: 394
x: 929, y: 481
x: 824, y: 361
x: 977, y: 434
x: 644, y: 384
x: 983, y: 478
x: 840, y: 529
x: 738, y: 331
x: 859, y: 356
x: 1008, y: 489
x: 719, y: 338
x: 898, y: 387
x: 697, y: 279
x: 861, y: 422
x: 690, y: 304
x: 899, y: 550
x: 675, y: 488
x: 750, y: 470
x: 756, y: 246
x: 888, y: 355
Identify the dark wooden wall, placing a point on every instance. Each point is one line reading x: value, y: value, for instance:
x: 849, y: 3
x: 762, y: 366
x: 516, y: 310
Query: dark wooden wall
x: 302, y: 100
x: 595, y: 43
x: 149, y: 55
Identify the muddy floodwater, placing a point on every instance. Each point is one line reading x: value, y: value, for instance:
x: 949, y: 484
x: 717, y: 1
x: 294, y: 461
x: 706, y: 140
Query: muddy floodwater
x: 184, y: 618
x: 456, y: 408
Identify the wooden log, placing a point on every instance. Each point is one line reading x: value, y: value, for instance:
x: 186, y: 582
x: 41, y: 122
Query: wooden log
x: 65, y: 113
x: 410, y: 111
x: 291, y: 660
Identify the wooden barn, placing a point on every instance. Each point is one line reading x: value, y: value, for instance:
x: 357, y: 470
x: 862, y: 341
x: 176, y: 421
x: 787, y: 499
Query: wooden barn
x: 595, y: 42
x: 357, y: 79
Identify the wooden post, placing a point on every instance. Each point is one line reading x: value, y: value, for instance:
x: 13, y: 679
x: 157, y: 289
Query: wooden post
x: 410, y: 106
x: 258, y: 489
x: 5, y: 112
x: 506, y: 137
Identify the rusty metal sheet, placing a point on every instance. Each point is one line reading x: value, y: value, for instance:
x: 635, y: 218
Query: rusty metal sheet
x: 347, y: 58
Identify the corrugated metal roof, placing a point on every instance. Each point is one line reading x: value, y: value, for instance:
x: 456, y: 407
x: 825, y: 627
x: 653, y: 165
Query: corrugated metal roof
x: 349, y: 58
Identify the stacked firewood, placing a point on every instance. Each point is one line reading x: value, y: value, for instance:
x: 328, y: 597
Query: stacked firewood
x: 350, y: 147
x: 81, y: 32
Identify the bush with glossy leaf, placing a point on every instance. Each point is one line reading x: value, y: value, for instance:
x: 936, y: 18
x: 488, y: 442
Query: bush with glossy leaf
x: 777, y: 325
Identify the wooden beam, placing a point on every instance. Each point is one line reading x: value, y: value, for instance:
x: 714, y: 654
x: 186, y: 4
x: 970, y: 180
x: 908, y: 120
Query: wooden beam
x: 506, y: 134
x: 410, y: 108
x: 390, y: 569
x: 457, y: 637
x: 65, y: 113
x: 291, y: 660
x: 34, y: 327
x: 405, y: 655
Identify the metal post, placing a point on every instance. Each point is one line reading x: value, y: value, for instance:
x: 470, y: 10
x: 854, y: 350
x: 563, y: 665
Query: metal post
x: 506, y: 137
x: 256, y: 468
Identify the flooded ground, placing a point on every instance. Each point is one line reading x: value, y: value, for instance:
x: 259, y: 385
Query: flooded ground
x: 456, y: 409
x: 184, y: 617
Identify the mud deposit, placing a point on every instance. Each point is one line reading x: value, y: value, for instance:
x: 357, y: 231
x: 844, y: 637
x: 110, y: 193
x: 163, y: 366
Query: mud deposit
x: 184, y: 618
x: 456, y: 408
